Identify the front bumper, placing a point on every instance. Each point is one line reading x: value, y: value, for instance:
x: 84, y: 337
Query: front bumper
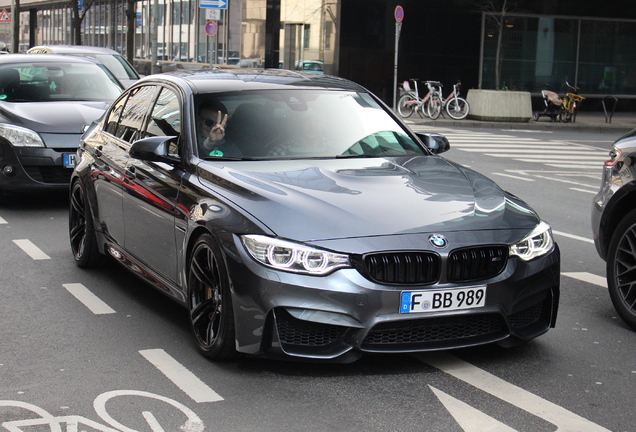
x: 341, y: 316
x: 24, y: 169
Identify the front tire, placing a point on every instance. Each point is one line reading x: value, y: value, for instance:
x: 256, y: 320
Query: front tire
x: 81, y: 229
x: 209, y: 300
x: 621, y: 269
x: 434, y: 107
x: 457, y: 108
x: 406, y: 105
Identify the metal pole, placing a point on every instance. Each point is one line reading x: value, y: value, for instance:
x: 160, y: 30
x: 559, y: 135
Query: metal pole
x: 153, y: 39
x: 398, y: 28
x: 578, y: 49
x: 481, y: 50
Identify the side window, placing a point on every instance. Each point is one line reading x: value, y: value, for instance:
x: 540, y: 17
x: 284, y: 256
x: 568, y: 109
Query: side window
x: 134, y: 113
x: 165, y: 119
x: 114, y: 114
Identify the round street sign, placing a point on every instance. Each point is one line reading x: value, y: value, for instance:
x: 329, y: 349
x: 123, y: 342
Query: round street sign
x: 211, y: 28
x: 399, y: 13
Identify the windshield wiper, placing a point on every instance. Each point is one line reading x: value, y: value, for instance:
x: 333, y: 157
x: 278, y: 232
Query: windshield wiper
x: 361, y: 156
x: 227, y: 158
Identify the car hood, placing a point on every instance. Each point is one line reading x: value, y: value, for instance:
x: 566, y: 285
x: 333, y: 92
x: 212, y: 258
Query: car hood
x: 344, y: 198
x: 52, y: 117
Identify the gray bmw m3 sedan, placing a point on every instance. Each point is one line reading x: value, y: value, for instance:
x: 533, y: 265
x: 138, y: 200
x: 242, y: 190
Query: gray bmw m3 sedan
x: 295, y: 215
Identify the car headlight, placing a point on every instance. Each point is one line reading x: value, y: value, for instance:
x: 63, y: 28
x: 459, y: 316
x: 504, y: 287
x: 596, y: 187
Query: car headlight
x: 538, y: 242
x: 293, y: 257
x: 20, y: 137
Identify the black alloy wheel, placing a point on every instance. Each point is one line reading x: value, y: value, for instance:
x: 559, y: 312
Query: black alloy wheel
x: 81, y: 229
x: 210, y: 304
x: 621, y: 269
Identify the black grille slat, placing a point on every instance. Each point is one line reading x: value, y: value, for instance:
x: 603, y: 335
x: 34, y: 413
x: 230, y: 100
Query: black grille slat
x: 526, y: 317
x: 476, y: 263
x: 403, y: 267
x: 298, y: 332
x: 432, y: 330
x: 49, y: 174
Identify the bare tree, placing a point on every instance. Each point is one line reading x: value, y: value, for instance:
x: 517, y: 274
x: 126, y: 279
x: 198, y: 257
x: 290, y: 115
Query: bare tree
x: 131, y: 14
x: 497, y: 10
x: 77, y: 17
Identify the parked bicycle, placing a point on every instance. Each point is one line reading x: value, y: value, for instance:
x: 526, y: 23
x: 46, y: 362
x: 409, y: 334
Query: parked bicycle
x: 456, y: 107
x: 564, y: 109
x: 410, y: 102
x: 570, y: 102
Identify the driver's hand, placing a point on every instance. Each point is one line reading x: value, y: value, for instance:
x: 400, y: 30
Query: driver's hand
x: 217, y: 132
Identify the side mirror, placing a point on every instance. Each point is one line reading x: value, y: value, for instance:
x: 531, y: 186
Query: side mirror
x: 436, y: 143
x: 154, y: 149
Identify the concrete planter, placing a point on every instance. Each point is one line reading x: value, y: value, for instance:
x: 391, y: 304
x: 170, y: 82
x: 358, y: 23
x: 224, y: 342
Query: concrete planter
x: 504, y: 106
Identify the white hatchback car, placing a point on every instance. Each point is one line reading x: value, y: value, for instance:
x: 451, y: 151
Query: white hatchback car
x: 118, y: 65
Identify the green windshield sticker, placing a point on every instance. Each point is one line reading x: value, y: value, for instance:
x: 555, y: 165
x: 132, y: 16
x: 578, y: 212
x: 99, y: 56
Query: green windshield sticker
x: 216, y: 153
x: 3, y: 97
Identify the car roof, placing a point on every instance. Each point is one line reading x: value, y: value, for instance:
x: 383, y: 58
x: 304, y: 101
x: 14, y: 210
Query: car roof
x: 43, y: 58
x: 254, y: 79
x: 70, y: 49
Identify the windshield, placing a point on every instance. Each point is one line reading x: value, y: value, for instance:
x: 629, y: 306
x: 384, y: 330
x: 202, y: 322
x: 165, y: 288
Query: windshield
x: 292, y: 124
x: 43, y: 82
x: 117, y: 65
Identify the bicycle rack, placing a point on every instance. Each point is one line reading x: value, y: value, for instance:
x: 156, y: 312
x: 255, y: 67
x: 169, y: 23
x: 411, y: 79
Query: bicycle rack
x: 608, y: 118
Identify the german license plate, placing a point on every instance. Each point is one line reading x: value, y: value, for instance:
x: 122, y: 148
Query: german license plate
x: 442, y: 300
x: 69, y: 160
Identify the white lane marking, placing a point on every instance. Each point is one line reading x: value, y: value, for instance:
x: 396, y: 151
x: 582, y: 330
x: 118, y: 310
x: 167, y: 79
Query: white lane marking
x: 525, y: 149
x: 32, y: 250
x: 180, y: 376
x: 584, y: 190
x: 514, y: 177
x: 564, y: 181
x: 572, y: 236
x: 565, y: 420
x: 595, y: 166
x: 467, y: 417
x: 152, y: 422
x: 550, y: 157
x: 527, y: 131
x: 2, y: 221
x: 88, y: 299
x: 192, y: 424
x: 587, y: 277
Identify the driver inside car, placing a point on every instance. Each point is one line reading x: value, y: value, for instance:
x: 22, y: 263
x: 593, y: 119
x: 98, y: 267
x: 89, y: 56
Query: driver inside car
x: 212, y: 120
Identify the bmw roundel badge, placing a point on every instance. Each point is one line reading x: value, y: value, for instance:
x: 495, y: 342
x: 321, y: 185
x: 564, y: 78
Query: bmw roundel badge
x: 438, y: 240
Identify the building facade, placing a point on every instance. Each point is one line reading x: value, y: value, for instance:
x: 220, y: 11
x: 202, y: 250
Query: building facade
x: 542, y: 42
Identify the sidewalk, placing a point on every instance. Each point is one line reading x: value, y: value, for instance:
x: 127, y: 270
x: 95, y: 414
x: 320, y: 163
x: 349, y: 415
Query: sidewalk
x: 622, y: 122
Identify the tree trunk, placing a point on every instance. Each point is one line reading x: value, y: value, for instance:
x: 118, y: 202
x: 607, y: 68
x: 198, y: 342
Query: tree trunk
x: 499, y: 39
x: 76, y: 23
x: 15, y: 23
x: 131, y: 14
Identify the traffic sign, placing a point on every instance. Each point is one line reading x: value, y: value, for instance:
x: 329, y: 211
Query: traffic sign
x: 211, y: 28
x: 4, y: 16
x: 399, y: 13
x: 216, y: 4
x: 212, y: 14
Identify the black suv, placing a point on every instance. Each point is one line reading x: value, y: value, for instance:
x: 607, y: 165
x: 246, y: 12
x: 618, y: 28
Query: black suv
x: 614, y: 225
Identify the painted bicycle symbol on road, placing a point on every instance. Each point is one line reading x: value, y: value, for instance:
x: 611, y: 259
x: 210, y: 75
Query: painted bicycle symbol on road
x: 76, y: 423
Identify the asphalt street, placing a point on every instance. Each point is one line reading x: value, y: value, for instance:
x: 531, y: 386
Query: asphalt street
x: 98, y: 350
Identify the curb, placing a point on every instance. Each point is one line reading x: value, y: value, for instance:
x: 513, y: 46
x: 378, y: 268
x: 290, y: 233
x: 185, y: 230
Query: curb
x: 581, y: 126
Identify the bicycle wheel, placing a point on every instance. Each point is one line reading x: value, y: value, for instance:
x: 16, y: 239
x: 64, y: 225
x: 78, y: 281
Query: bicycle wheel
x: 457, y: 108
x: 434, y: 106
x: 406, y: 105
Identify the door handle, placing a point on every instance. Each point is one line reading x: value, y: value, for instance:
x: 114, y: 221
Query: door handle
x: 98, y: 151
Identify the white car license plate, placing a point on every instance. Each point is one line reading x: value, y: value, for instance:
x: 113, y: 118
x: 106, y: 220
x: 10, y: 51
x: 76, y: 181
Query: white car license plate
x: 69, y: 160
x: 442, y: 300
